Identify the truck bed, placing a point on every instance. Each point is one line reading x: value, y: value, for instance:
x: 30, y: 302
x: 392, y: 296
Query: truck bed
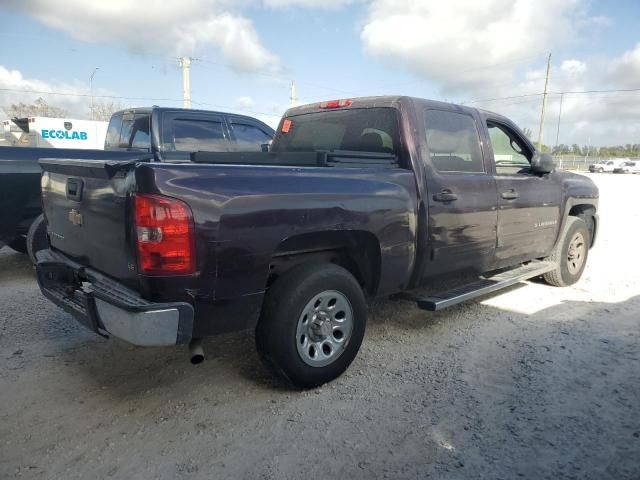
x: 20, y: 183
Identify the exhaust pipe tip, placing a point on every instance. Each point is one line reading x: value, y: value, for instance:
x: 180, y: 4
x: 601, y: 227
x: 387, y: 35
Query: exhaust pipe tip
x: 196, y: 352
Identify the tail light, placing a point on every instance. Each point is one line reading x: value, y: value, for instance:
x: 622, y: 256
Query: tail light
x: 337, y: 103
x: 165, y: 235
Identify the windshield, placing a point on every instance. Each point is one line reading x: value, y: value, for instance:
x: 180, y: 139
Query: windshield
x: 369, y: 130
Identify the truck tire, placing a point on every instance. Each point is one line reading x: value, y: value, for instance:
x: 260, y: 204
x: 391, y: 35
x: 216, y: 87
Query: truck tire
x: 312, y: 324
x: 601, y: 170
x: 19, y: 244
x: 37, y: 237
x: 570, y: 255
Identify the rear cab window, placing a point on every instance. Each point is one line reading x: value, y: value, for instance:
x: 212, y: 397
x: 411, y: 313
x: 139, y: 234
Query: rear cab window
x: 358, y: 129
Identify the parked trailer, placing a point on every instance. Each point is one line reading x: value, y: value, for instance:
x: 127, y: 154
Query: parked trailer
x: 46, y: 132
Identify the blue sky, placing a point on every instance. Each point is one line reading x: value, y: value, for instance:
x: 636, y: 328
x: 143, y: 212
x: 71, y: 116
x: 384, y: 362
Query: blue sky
x: 248, y: 51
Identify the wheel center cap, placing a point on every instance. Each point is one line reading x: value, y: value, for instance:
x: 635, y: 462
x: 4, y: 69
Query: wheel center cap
x: 320, y: 325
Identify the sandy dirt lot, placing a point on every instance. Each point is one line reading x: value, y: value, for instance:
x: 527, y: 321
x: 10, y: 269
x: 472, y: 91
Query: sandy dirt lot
x: 535, y: 382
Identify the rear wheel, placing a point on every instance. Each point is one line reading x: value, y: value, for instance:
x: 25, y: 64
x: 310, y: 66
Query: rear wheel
x: 570, y: 255
x: 601, y: 170
x: 312, y: 324
x: 37, y: 237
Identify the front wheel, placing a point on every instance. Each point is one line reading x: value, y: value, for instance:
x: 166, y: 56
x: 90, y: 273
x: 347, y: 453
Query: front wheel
x: 312, y: 324
x: 570, y: 255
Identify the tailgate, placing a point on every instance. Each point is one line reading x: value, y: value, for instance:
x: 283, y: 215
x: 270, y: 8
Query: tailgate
x: 86, y: 204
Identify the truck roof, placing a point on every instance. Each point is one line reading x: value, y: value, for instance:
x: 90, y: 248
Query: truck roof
x: 149, y: 110
x: 385, y: 101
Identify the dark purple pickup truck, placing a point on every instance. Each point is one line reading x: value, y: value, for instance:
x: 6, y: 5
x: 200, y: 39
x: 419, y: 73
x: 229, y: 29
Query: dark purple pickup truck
x: 356, y: 199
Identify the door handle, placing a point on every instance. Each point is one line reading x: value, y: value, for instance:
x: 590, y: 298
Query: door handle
x: 510, y: 194
x: 445, y: 196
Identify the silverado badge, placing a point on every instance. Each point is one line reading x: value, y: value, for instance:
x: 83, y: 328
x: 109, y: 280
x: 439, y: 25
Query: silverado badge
x: 75, y: 217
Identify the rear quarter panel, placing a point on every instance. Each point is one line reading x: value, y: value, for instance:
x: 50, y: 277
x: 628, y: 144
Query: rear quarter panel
x: 243, y: 213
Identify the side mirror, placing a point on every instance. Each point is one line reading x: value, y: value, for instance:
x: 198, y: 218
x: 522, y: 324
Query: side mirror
x: 542, y: 163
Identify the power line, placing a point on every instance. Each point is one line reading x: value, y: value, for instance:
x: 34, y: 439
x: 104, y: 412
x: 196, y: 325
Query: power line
x: 569, y: 92
x: 617, y: 90
x: 482, y: 100
x: 68, y: 94
x: 119, y: 97
x: 165, y: 99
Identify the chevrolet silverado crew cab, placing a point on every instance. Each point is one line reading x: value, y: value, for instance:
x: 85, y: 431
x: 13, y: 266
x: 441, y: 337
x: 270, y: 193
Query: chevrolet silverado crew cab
x: 169, y: 134
x: 356, y: 199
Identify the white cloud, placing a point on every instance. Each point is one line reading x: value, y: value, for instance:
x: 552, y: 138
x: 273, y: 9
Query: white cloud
x: 599, y: 118
x: 75, y: 99
x: 626, y: 70
x: 324, y: 4
x: 245, y: 103
x: 175, y: 27
x: 573, y: 66
x: 467, y: 45
x: 497, y: 48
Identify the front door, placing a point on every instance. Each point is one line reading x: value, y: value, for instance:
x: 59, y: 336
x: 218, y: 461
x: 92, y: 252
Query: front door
x: 529, y: 204
x: 462, y: 213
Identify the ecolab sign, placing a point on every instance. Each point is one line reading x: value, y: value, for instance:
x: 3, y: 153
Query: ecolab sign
x: 64, y: 134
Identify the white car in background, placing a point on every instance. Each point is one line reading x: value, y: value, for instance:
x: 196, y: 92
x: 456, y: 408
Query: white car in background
x: 607, y: 165
x: 632, y: 166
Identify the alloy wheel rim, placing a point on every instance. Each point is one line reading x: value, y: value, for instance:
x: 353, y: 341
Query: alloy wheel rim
x: 576, y: 253
x: 324, y: 328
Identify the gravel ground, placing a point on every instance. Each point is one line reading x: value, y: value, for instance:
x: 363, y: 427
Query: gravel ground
x: 535, y: 382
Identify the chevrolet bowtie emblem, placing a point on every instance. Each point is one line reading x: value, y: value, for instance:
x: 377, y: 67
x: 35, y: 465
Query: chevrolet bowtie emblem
x: 75, y: 217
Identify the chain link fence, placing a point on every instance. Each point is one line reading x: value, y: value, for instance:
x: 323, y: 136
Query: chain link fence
x: 579, y: 162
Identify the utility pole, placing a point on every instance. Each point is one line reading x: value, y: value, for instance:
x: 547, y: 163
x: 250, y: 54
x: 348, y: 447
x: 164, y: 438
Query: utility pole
x: 544, y: 102
x: 185, y: 63
x: 588, y: 148
x: 559, y: 118
x: 91, y: 91
x: 292, y: 95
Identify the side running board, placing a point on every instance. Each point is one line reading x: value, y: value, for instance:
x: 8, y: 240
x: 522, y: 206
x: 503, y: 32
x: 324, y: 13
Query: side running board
x: 480, y: 287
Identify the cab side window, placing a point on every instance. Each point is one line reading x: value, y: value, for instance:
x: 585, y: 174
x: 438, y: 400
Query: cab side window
x: 510, y: 154
x: 453, y: 142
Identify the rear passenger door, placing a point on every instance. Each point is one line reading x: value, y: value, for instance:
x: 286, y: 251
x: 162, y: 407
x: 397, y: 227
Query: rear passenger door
x: 187, y: 132
x: 462, y: 217
x: 247, y: 136
x: 529, y: 204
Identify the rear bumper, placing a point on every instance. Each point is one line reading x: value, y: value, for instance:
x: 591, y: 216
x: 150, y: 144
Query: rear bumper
x: 109, y: 308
